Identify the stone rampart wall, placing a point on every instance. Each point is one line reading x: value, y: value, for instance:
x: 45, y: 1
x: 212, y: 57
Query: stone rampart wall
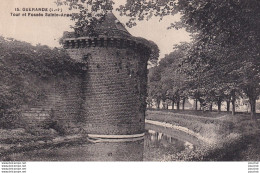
x: 61, y: 102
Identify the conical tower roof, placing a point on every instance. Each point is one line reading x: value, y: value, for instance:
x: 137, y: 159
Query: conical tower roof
x: 111, y: 27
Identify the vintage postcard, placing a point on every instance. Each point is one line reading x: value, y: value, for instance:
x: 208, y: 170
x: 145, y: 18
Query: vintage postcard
x: 130, y: 80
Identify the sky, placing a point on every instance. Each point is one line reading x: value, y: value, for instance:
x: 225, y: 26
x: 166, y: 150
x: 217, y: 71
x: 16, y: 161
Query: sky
x: 48, y: 30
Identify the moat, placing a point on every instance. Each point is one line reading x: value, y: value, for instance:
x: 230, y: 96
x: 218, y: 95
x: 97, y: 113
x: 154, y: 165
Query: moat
x: 157, y: 146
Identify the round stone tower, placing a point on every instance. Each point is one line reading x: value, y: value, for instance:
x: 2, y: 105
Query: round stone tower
x: 114, y: 82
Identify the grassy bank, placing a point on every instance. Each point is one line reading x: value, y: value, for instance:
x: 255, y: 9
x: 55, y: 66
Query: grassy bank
x: 20, y: 140
x: 230, y: 137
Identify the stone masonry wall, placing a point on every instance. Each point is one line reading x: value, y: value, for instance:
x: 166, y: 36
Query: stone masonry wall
x: 113, y: 90
x: 61, y: 102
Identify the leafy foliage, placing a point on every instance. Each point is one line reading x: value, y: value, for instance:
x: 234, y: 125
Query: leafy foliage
x: 225, y: 54
x: 87, y: 13
x: 22, y: 68
x: 167, y: 80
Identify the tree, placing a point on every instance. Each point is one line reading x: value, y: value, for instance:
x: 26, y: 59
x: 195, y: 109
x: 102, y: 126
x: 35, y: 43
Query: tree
x: 154, y: 85
x: 226, y: 34
x: 175, y: 78
x: 228, y: 29
x: 167, y: 81
x: 88, y: 13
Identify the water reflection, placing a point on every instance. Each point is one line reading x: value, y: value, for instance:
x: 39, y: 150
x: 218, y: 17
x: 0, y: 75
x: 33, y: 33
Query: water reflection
x: 159, y: 145
x: 157, y: 138
x: 156, y: 146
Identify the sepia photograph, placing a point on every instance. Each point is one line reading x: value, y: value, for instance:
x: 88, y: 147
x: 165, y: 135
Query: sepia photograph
x: 129, y: 80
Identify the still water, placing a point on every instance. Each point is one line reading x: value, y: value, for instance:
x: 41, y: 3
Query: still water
x: 160, y: 147
x: 159, y: 144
